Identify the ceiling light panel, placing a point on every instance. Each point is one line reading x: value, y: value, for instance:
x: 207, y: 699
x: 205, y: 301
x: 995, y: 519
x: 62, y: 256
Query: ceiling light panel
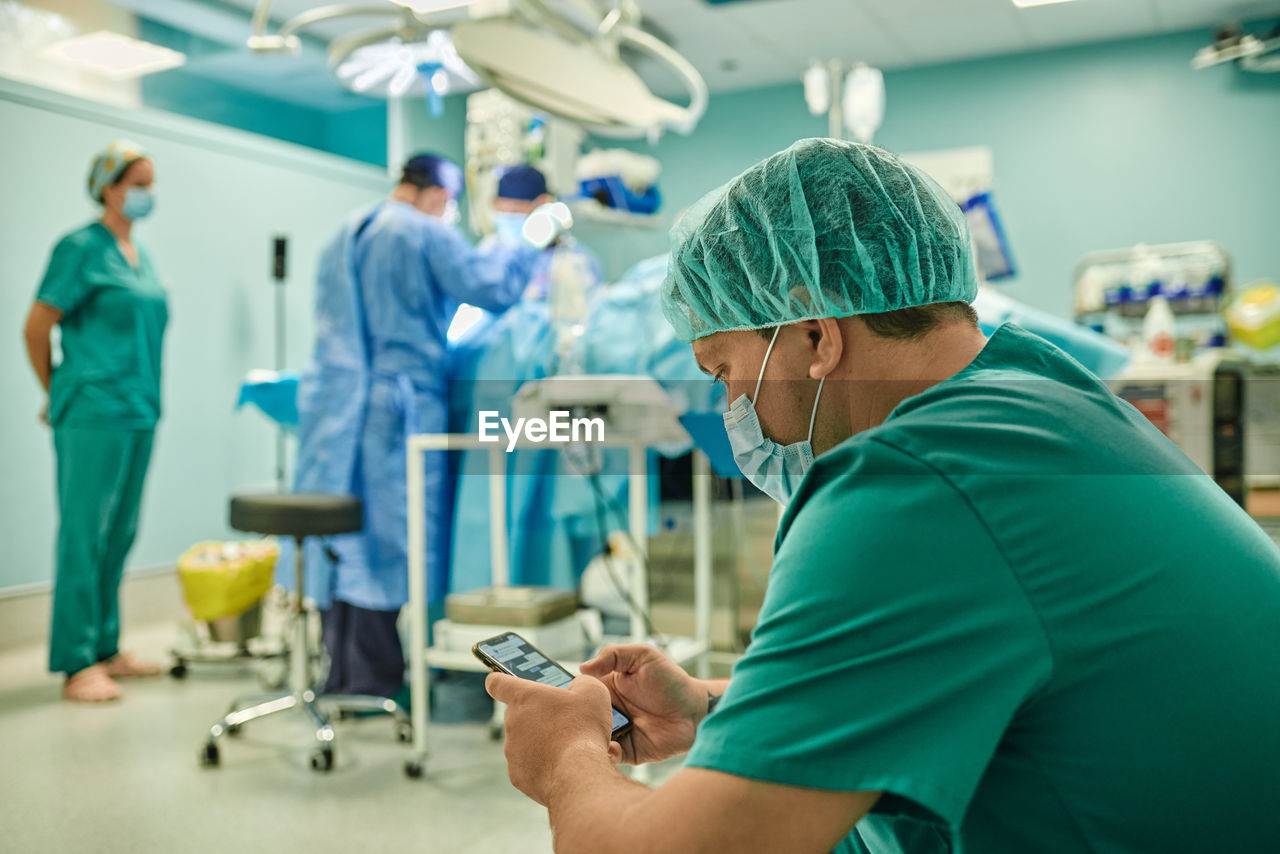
x: 113, y: 55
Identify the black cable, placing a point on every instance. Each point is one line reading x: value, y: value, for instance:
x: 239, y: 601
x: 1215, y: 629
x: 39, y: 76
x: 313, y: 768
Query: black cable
x: 624, y: 521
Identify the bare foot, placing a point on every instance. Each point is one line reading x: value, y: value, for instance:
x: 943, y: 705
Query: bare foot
x: 91, y: 685
x: 125, y: 666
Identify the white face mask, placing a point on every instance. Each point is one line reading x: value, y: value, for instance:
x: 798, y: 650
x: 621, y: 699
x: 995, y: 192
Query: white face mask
x: 776, y: 470
x: 509, y: 228
x: 451, y: 215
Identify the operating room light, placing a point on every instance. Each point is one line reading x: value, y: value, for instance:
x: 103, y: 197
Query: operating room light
x: 115, y: 55
x: 396, y: 68
x: 1024, y: 4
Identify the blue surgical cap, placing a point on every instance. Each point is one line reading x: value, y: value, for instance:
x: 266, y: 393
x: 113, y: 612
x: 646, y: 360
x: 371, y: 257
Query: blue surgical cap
x: 522, y: 183
x: 433, y: 170
x: 825, y: 228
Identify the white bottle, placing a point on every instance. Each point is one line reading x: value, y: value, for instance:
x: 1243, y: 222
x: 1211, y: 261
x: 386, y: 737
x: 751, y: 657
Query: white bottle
x: 1158, y: 330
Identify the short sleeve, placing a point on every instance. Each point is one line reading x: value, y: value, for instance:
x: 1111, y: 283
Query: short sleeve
x: 894, y: 646
x: 63, y: 285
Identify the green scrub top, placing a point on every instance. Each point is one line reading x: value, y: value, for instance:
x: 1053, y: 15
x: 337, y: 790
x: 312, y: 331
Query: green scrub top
x: 113, y: 321
x: 1025, y: 616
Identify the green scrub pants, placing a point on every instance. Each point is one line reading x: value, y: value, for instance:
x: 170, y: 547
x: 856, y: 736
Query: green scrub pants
x: 100, y: 476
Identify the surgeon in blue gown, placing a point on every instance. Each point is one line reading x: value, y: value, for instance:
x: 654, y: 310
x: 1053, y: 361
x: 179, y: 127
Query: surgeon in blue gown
x: 389, y: 284
x: 552, y: 520
x: 489, y: 361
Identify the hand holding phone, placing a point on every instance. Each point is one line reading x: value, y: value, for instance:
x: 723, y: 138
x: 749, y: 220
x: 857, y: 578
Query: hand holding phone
x: 664, y: 703
x: 511, y: 654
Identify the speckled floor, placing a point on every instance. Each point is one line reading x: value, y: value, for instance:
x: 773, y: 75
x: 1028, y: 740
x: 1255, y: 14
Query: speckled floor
x: 125, y: 777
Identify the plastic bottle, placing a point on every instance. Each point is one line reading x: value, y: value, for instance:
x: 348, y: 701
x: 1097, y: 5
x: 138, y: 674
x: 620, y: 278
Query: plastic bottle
x: 570, y: 280
x: 1158, y: 330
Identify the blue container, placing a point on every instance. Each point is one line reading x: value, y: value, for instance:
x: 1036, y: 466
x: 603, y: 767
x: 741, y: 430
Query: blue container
x: 610, y: 191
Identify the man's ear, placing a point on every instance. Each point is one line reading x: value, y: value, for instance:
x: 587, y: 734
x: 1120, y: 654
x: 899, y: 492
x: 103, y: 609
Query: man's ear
x: 828, y: 346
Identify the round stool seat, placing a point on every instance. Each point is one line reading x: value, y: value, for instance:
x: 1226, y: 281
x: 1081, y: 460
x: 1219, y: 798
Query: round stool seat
x: 297, y: 514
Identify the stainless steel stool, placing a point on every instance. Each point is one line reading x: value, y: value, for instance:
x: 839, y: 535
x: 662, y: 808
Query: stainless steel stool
x: 299, y: 516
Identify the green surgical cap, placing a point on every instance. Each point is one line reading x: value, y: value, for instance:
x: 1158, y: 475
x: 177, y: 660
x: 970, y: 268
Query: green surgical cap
x: 110, y: 163
x: 824, y: 229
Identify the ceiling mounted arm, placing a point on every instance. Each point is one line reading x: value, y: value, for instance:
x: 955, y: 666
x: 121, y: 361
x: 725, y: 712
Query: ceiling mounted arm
x: 286, y: 40
x: 689, y: 76
x: 587, y: 82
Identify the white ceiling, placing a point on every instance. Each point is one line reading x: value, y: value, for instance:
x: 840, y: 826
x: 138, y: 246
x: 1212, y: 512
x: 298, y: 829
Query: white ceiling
x: 750, y: 43
x: 772, y: 41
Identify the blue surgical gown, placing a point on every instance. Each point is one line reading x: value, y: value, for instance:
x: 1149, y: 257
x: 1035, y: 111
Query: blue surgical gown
x: 552, y: 519
x: 389, y: 284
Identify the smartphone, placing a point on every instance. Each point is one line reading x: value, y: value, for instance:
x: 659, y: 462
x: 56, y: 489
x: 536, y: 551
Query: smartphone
x: 511, y: 654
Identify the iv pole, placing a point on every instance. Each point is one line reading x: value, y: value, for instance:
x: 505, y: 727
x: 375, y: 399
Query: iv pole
x: 278, y: 274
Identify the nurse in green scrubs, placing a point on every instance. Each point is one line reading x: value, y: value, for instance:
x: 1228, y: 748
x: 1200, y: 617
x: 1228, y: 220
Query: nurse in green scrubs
x: 102, y: 289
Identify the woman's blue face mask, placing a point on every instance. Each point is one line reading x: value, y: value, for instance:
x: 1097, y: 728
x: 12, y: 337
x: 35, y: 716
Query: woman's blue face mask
x: 138, y: 203
x: 776, y: 470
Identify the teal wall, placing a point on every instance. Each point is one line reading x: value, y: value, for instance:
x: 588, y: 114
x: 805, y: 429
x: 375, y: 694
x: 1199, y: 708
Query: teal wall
x: 443, y: 135
x: 187, y: 94
x: 221, y: 196
x: 360, y: 134
x: 354, y: 128
x: 1095, y: 147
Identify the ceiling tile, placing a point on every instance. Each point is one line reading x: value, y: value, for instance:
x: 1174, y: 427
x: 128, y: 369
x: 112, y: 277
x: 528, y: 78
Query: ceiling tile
x: 948, y: 35
x: 915, y: 10
x: 803, y: 30
x: 763, y: 42
x: 1088, y: 20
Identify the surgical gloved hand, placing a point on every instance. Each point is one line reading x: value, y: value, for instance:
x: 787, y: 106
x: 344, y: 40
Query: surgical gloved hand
x: 665, y: 704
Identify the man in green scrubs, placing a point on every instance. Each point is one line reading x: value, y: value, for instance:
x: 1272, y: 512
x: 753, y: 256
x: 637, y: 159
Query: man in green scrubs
x: 102, y: 289
x: 1006, y: 614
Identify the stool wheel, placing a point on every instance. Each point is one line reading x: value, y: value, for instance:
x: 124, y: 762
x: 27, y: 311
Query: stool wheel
x: 322, y: 759
x: 209, y: 757
x: 413, y: 769
x: 179, y: 670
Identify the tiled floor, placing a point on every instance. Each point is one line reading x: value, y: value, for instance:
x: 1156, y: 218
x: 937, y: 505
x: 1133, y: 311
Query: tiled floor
x: 124, y: 777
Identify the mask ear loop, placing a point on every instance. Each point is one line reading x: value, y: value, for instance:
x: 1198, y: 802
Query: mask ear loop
x: 813, y: 416
x: 765, y: 364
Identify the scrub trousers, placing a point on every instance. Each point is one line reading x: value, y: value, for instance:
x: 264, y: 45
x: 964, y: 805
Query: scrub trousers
x: 365, y: 656
x: 100, y: 475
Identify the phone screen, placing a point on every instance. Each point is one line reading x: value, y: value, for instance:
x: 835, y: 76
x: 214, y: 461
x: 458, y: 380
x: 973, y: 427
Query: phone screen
x: 517, y: 656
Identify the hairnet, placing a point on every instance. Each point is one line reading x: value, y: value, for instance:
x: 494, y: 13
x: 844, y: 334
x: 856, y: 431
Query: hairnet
x: 823, y: 229
x: 433, y: 170
x: 110, y: 163
x: 523, y: 183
